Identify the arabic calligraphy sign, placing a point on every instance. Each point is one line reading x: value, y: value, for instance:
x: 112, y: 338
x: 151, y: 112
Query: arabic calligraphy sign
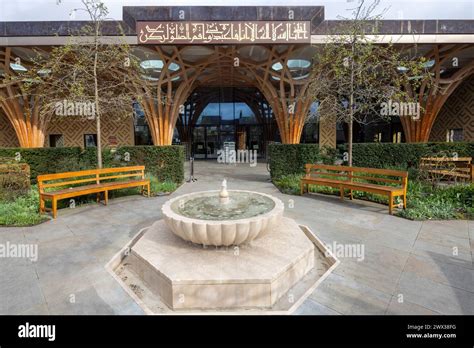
x: 223, y: 32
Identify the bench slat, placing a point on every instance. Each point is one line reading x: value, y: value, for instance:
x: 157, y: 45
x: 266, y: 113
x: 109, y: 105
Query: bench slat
x: 65, y: 183
x: 449, y: 173
x: 118, y: 176
x: 446, y: 159
x: 92, y: 187
x: 371, y: 178
x: 388, y: 172
x: 65, y: 175
x: 460, y: 167
x: 329, y: 174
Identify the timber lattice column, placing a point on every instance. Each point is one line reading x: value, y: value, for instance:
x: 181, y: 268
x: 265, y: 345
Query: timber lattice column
x: 163, y: 101
x: 23, y: 112
x: 287, y: 97
x: 432, y: 98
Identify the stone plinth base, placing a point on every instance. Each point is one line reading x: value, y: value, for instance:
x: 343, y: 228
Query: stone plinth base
x: 188, y: 276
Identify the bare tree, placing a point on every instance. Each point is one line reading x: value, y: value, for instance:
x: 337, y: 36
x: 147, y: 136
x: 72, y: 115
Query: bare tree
x: 353, y: 75
x: 90, y: 76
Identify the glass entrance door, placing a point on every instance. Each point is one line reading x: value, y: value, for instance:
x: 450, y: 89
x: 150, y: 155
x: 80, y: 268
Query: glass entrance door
x: 256, y: 141
x: 227, y: 133
x: 199, y: 142
x: 212, y: 141
x: 206, y: 142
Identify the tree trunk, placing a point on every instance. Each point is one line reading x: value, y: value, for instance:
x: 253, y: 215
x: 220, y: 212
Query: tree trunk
x: 349, y: 140
x: 351, y: 109
x: 96, y: 92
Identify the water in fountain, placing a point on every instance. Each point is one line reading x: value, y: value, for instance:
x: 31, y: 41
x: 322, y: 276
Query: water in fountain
x: 241, y: 205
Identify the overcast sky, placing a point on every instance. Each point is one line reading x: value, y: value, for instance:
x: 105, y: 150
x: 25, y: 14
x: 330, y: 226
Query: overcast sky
x: 48, y: 10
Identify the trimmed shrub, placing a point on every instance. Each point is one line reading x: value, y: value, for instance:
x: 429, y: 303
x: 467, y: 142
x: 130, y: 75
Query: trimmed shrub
x: 165, y: 162
x: 23, y: 211
x: 405, y: 155
x: 14, y: 179
x: 44, y: 160
x: 287, y: 159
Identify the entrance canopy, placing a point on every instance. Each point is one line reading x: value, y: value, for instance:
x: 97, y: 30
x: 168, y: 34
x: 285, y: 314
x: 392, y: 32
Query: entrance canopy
x: 266, y: 51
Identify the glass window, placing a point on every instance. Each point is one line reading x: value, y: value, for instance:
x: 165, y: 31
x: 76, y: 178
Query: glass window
x: 310, y: 133
x: 454, y: 135
x: 56, y: 140
x: 378, y: 137
x: 142, y: 131
x: 397, y: 137
x: 90, y: 140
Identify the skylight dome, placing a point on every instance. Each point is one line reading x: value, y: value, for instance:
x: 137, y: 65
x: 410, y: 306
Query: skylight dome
x: 156, y: 65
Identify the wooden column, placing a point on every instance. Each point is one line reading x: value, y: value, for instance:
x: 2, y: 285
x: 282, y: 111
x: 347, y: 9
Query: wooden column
x: 161, y: 101
x: 432, y: 98
x: 287, y: 97
x: 23, y: 112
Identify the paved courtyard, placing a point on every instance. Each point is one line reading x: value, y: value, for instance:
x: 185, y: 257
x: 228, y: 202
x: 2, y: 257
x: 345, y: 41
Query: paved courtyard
x: 408, y: 267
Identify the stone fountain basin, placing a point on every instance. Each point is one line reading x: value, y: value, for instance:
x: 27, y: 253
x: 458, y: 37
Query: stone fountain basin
x: 221, y: 232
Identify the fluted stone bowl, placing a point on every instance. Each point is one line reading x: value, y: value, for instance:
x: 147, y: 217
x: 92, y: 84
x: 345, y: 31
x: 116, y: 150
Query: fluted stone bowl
x: 200, y: 218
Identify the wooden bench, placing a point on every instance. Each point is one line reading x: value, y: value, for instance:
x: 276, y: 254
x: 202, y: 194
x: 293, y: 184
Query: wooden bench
x: 448, y: 167
x: 52, y: 186
x: 358, y: 179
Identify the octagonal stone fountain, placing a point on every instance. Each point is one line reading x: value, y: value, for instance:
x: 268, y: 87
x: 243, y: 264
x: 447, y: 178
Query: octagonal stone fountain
x: 221, y: 250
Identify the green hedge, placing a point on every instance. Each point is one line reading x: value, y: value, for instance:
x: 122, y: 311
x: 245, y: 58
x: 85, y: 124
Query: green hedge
x: 14, y: 180
x: 290, y: 159
x: 45, y: 160
x: 165, y: 162
x: 381, y: 155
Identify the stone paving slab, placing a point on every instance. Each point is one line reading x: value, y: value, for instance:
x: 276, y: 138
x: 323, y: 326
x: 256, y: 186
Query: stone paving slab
x: 19, y: 289
x: 435, y: 296
x: 348, y: 296
x: 443, y: 253
x: 445, y: 273
x: 404, y: 307
x: 380, y: 269
x: 405, y: 257
x: 456, y: 228
x: 312, y: 307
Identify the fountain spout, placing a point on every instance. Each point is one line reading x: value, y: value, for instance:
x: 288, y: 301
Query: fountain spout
x: 224, y: 195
